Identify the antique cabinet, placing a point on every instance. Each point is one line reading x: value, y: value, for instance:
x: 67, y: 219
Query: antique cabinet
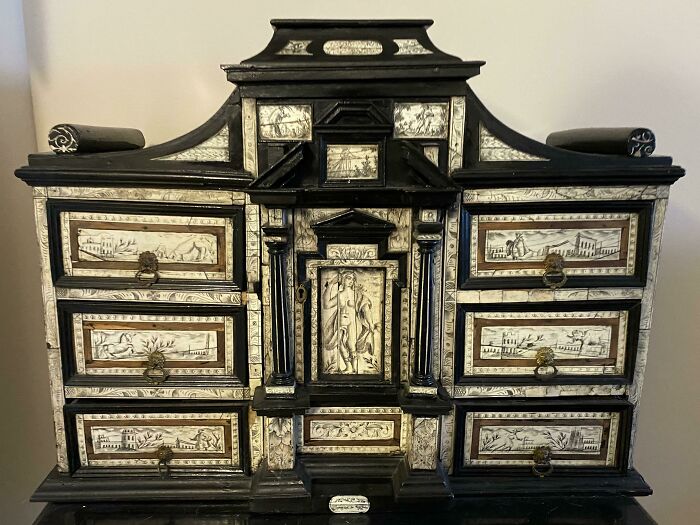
x: 352, y: 288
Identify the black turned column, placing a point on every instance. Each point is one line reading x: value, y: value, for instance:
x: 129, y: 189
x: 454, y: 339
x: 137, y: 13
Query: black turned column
x: 282, y: 356
x: 427, y: 235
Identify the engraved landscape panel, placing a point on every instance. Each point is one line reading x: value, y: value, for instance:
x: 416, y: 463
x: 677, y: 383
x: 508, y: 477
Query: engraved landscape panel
x: 109, y: 245
x: 421, y: 120
x: 508, y: 342
x: 284, y: 122
x: 122, y: 343
x: 132, y: 439
x: 590, y: 243
x: 352, y: 162
x: 510, y: 438
x: 352, y: 320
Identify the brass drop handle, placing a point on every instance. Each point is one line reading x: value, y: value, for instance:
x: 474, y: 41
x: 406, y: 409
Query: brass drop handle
x: 544, y: 360
x: 147, y: 274
x: 155, y: 369
x: 165, y: 455
x: 554, y: 275
x: 542, y: 461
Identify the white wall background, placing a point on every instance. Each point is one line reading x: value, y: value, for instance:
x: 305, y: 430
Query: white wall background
x: 551, y: 64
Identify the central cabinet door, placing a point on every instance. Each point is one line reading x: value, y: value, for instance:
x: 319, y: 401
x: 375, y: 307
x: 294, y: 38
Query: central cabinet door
x: 351, y: 268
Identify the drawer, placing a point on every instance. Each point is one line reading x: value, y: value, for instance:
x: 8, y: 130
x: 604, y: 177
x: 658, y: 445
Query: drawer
x: 554, y: 436
x: 111, y: 437
x: 601, y: 243
x: 128, y: 244
x: 549, y: 342
x: 354, y: 430
x: 173, y: 345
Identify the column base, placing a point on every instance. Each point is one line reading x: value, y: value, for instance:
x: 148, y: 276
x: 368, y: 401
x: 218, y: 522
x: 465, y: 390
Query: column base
x: 280, y: 490
x: 420, y: 404
x: 419, y: 487
x: 267, y: 403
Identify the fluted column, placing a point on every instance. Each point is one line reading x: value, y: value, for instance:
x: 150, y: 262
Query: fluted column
x: 276, y: 240
x: 428, y: 236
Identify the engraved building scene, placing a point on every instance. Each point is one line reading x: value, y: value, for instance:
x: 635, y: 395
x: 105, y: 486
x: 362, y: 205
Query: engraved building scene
x: 352, y: 285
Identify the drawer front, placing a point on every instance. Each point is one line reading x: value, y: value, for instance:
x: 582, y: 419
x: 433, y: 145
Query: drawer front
x: 361, y: 430
x: 585, y: 339
x: 589, y: 435
x: 106, y: 240
x: 134, y: 439
x: 599, y: 244
x: 112, y: 342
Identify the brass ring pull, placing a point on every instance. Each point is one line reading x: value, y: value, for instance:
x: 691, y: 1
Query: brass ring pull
x: 147, y: 273
x: 155, y: 369
x: 542, y: 462
x: 545, y: 368
x: 554, y: 275
x: 164, y: 454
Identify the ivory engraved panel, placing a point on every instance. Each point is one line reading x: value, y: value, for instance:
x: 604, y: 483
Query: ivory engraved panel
x: 508, y: 342
x: 146, y: 195
x: 352, y: 304
x: 564, y: 193
x: 509, y: 438
x: 214, y: 149
x: 295, y: 47
x: 365, y: 430
x: 410, y: 46
x: 352, y: 162
x: 352, y: 47
x: 351, y: 317
x: 284, y: 122
x: 146, y: 295
x: 120, y: 344
x: 458, y: 116
x: 424, y: 448
x: 157, y: 392
x: 280, y: 443
x: 121, y: 440
x: 421, y: 120
x: 462, y: 391
x: 492, y: 148
x: 109, y: 244
x: 516, y: 245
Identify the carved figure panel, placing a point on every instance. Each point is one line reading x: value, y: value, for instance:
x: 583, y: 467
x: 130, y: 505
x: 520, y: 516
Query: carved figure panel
x: 284, y: 122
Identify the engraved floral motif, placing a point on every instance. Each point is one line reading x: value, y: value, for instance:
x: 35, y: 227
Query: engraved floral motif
x: 63, y: 139
x: 349, y: 430
x: 280, y: 443
x: 425, y: 441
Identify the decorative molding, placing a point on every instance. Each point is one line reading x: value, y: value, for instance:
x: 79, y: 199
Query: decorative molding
x: 178, y: 196
x: 213, y: 149
x: 538, y: 391
x: 350, y: 430
x: 542, y: 295
x: 147, y: 295
x: 492, y: 148
x: 114, y: 392
x: 424, y: 447
x: 563, y: 193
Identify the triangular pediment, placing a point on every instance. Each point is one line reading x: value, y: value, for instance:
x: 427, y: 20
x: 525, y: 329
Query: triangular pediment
x: 354, y: 224
x: 354, y: 114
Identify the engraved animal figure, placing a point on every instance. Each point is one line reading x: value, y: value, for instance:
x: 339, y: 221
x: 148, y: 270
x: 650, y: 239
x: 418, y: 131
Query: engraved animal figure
x: 516, y: 248
x: 350, y: 329
x: 123, y: 346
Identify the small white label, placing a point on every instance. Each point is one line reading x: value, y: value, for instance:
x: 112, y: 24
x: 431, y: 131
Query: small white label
x: 348, y: 504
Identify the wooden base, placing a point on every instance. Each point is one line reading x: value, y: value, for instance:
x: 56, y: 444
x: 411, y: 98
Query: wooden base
x: 385, y: 480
